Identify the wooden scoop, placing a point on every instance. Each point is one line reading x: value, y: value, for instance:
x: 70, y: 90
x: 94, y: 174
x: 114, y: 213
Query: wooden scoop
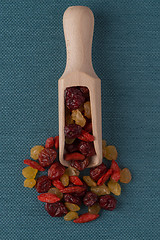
x: 78, y: 24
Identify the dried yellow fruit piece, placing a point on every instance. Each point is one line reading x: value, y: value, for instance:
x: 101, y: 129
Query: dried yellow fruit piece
x: 56, y: 192
x: 125, y: 175
x: 87, y: 110
x: 69, y: 119
x: 100, y: 190
x: 71, y: 171
x: 29, y: 172
x: 29, y: 183
x: 65, y: 180
x: 78, y: 118
x: 110, y: 152
x: 69, y: 140
x: 114, y: 187
x: 89, y: 181
x: 72, y: 207
x: 35, y: 151
x: 95, y: 209
x: 70, y: 216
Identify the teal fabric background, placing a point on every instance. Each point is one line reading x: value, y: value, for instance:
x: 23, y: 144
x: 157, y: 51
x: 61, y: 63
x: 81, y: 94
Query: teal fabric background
x: 126, y: 56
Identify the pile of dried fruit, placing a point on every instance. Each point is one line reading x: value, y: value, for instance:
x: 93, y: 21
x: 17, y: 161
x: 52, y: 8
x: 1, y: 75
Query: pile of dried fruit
x: 63, y: 191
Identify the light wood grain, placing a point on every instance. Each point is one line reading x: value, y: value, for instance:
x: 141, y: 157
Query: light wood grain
x: 78, y: 24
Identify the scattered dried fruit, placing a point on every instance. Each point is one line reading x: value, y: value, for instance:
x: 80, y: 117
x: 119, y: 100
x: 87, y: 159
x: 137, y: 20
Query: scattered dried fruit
x: 43, y: 184
x: 71, y: 171
x: 87, y: 148
x: 29, y: 183
x: 56, y: 209
x: 85, y: 136
x: 72, y: 131
x: 72, y: 199
x: 100, y: 190
x: 94, y: 209
x: 110, y: 153
x: 47, y: 157
x: 74, y: 98
x: 86, y: 217
x: 114, y: 187
x: 65, y: 179
x: 90, y: 199
x: 80, y: 165
x: 97, y: 172
x: 125, y: 175
x: 35, y: 151
x: 56, y: 192
x: 105, y: 177
x: 108, y: 202
x: 78, y: 118
x: 49, y: 143
x: 71, y: 216
x: 74, y: 156
x: 75, y: 180
x: 57, y: 183
x: 48, y: 198
x: 72, y: 207
x: 29, y: 172
x: 56, y: 171
x: 34, y: 165
x: 73, y: 190
x: 89, y: 181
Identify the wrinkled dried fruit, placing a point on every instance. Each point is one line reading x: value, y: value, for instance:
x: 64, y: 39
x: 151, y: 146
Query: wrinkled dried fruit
x: 74, y: 156
x: 49, y: 143
x: 110, y: 153
x: 95, y: 209
x: 30, y: 183
x: 56, y: 209
x: 100, y: 190
x: 88, y: 127
x: 98, y: 172
x: 74, y: 98
x: 56, y: 171
x: 85, y: 91
x: 90, y: 199
x: 75, y: 189
x: 65, y: 179
x: 89, y: 181
x: 68, y: 119
x: 73, y: 147
x: 70, y: 216
x: 78, y: 118
x: 34, y: 165
x: 69, y: 141
x: 108, y: 202
x: 57, y: 183
x: 47, y: 157
x: 29, y: 172
x: 43, y: 184
x: 72, y: 207
x: 80, y: 165
x: 105, y: 177
x: 114, y: 187
x: 48, y: 198
x: 86, y: 217
x: 56, y: 192
x: 71, y: 171
x: 72, y: 131
x: 81, y: 194
x: 75, y: 180
x: 125, y: 175
x: 35, y: 151
x: 116, y: 171
x: 87, y: 109
x: 72, y: 199
x: 85, y: 136
x: 87, y: 148
x: 56, y: 142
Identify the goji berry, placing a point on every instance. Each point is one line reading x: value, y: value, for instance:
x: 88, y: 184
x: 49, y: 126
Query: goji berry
x: 105, y: 177
x: 75, y: 189
x: 75, y: 180
x: 49, y: 143
x: 116, y: 171
x: 114, y: 166
x: 85, y: 136
x: 56, y: 171
x: 48, y: 198
x: 86, y: 217
x: 56, y: 142
x: 57, y: 183
x: 74, y: 156
x: 33, y: 165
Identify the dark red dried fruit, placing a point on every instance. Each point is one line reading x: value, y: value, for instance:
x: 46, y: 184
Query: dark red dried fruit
x: 86, y: 217
x: 72, y: 147
x: 56, y: 171
x: 43, y: 184
x: 98, y: 172
x: 80, y: 165
x: 57, y: 209
x: 34, y: 164
x: 108, y: 202
x: 74, y: 156
x: 80, y: 194
x: 90, y: 199
x: 74, y: 98
x: 72, y: 199
x: 56, y: 142
x: 85, y: 92
x: 49, y: 143
x: 72, y: 131
x: 47, y: 157
x: 85, y: 136
x: 104, y: 177
x: 87, y: 148
x: 88, y: 127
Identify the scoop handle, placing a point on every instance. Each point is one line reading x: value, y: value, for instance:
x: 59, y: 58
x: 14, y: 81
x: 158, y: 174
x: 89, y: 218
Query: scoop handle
x: 78, y: 25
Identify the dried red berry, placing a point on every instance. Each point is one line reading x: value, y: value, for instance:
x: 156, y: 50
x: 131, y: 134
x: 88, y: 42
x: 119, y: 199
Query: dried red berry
x: 98, y: 172
x: 43, y: 184
x: 85, y: 92
x: 57, y: 183
x: 75, y: 189
x: 80, y: 194
x: 49, y: 143
x: 74, y: 156
x: 72, y: 199
x: 108, y: 202
x: 56, y: 171
x: 85, y: 136
x: 86, y: 217
x: 88, y: 127
x: 74, y: 98
x: 90, y: 199
x: 47, y: 157
x: 33, y: 164
x: 116, y: 171
x: 80, y: 165
x: 56, y: 142
x: 72, y: 130
x: 56, y: 209
x: 75, y: 180
x: 72, y: 147
x: 105, y: 177
x: 48, y: 197
x: 87, y: 148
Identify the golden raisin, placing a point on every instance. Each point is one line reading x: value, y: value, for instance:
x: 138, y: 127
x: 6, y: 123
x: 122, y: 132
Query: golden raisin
x: 78, y: 118
x: 100, y: 190
x: 114, y: 187
x: 30, y: 183
x: 72, y: 207
x: 69, y: 140
x: 95, y: 209
x: 87, y: 110
x: 110, y: 153
x: 125, y: 175
x: 35, y: 151
x: 89, y: 181
x: 29, y: 172
x: 70, y: 216
x: 65, y: 179
x: 56, y: 192
x: 69, y: 119
x: 71, y: 171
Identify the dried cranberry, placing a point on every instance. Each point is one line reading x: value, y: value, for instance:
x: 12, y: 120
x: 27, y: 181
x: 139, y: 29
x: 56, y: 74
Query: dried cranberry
x: 72, y: 199
x: 72, y: 147
x: 56, y: 171
x: 74, y: 98
x: 88, y: 127
x: 85, y: 91
x: 56, y: 209
x: 72, y: 131
x: 90, y: 199
x: 108, y: 202
x: 97, y: 172
x: 43, y: 184
x: 86, y: 148
x: 80, y: 165
x: 47, y: 157
x: 81, y: 194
